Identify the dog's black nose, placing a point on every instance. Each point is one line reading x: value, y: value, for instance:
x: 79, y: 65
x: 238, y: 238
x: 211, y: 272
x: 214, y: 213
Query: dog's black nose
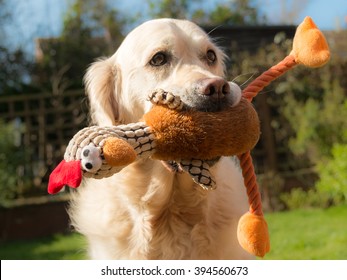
x: 214, y: 87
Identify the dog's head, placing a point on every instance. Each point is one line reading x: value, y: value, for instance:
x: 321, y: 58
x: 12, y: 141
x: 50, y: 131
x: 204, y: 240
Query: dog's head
x: 173, y: 55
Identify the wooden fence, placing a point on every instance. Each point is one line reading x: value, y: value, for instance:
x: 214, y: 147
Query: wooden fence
x: 45, y: 123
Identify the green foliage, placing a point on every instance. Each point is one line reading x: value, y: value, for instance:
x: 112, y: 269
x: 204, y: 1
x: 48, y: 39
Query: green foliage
x: 238, y: 12
x: 241, y: 12
x: 316, y: 109
x: 14, y: 65
x: 272, y: 184
x: 12, y: 182
x: 91, y: 29
x: 333, y: 175
x: 92, y: 18
x: 331, y: 188
x: 319, y: 121
x: 169, y: 8
x: 298, y: 199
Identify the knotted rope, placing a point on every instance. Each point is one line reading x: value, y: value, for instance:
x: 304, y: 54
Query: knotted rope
x: 254, y: 198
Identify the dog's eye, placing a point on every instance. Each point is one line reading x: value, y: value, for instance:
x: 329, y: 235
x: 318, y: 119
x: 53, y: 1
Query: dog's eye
x: 211, y: 56
x: 158, y: 59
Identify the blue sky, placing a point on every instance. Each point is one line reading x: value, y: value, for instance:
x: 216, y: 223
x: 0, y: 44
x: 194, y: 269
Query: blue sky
x: 328, y: 14
x: 42, y: 18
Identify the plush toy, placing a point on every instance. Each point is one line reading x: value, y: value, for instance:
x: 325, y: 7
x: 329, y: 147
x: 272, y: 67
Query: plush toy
x: 172, y: 133
x: 169, y: 132
x: 309, y: 49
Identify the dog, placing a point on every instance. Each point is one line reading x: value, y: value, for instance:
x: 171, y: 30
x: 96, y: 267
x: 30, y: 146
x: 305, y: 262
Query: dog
x: 147, y: 211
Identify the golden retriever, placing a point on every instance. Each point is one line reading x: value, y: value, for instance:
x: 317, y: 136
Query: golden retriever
x: 147, y: 211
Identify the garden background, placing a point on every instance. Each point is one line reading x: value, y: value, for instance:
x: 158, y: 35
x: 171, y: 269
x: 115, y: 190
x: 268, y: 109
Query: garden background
x: 301, y: 158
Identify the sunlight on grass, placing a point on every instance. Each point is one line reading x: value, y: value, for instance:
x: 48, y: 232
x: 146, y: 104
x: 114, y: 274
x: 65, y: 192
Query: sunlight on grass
x: 308, y: 234
x: 299, y: 235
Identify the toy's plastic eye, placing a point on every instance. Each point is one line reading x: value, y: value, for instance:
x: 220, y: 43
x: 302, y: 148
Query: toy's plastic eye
x: 88, y: 165
x: 159, y: 59
x: 90, y: 158
x: 211, y: 56
x: 86, y: 152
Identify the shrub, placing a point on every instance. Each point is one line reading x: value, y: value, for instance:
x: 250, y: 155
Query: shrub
x: 12, y: 157
x: 299, y: 198
x: 319, y: 122
x: 331, y: 188
x: 333, y: 175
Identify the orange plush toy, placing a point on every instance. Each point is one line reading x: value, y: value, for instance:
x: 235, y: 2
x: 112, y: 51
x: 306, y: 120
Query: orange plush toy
x: 309, y: 49
x: 168, y: 132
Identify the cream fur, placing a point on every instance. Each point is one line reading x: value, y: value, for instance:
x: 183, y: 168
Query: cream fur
x: 145, y: 211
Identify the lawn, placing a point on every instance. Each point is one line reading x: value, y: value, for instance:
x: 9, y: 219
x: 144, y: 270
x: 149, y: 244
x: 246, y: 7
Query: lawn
x: 57, y: 247
x: 309, y: 234
x: 299, y: 234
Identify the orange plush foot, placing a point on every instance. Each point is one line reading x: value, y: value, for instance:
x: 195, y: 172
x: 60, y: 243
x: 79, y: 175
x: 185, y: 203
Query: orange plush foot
x: 253, y: 234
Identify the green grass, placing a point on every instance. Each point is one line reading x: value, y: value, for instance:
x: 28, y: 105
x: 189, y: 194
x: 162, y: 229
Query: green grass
x: 308, y: 234
x: 57, y: 247
x: 299, y: 235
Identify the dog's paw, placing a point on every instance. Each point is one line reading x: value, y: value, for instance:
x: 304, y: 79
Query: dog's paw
x: 161, y: 97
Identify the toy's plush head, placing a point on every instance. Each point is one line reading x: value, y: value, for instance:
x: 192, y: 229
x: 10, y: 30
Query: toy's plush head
x: 203, y: 135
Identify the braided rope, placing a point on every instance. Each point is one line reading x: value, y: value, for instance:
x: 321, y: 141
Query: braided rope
x: 254, y: 198
x: 199, y: 170
x: 250, y: 180
x: 268, y: 76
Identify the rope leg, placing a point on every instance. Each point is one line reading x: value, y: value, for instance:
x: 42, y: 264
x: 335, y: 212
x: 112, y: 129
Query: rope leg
x: 252, y: 188
x: 245, y: 159
x: 199, y: 170
x: 268, y: 76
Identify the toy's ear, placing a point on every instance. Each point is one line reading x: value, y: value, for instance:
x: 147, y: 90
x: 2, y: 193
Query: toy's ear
x: 102, y: 82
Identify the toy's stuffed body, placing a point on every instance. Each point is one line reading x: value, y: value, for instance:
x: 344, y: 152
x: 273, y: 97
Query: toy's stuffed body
x: 192, y: 140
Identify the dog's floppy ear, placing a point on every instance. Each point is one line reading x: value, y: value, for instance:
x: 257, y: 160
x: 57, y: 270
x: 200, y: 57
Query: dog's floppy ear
x: 101, y: 81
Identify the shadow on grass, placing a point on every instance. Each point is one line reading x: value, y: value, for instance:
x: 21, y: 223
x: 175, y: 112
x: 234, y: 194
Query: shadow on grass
x: 299, y: 234
x: 58, y: 247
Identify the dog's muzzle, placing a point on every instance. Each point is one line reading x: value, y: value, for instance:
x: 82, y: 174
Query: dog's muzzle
x: 212, y: 95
